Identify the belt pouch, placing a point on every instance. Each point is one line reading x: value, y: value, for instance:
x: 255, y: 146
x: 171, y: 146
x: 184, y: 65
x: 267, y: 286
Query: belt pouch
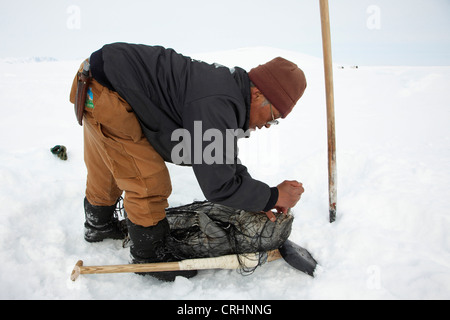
x: 80, y: 99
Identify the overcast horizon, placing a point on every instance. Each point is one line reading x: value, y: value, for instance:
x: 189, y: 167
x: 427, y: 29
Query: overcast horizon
x: 364, y: 32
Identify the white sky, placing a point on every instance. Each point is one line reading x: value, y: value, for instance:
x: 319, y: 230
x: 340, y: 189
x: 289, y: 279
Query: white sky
x: 389, y: 32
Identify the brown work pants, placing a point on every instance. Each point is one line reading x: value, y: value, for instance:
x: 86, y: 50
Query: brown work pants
x: 119, y: 158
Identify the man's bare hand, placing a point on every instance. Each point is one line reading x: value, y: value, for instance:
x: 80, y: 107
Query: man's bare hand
x: 289, y: 193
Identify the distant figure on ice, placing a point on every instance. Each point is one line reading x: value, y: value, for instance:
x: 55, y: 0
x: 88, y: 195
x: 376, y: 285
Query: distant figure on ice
x: 144, y: 105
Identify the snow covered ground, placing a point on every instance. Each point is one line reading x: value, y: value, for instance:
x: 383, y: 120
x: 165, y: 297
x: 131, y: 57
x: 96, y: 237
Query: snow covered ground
x: 391, y: 238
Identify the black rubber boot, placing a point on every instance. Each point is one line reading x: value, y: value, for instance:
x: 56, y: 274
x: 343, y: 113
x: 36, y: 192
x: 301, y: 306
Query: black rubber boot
x: 101, y: 223
x: 148, y: 245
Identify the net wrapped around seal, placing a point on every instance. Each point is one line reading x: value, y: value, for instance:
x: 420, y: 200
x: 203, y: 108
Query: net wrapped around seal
x: 204, y: 229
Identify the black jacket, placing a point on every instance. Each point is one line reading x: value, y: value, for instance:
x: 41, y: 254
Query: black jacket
x: 168, y: 91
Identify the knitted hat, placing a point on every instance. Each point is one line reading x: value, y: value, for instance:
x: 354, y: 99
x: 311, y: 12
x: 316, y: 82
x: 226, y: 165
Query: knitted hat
x: 281, y: 82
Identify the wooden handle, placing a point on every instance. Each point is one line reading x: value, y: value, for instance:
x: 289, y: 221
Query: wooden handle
x: 328, y: 66
x: 224, y: 262
x: 76, y: 270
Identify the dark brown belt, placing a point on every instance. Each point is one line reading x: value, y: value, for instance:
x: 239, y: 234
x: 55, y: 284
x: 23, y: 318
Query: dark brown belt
x: 84, y: 79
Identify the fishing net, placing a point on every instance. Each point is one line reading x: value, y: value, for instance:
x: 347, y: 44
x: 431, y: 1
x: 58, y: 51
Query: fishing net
x: 204, y: 229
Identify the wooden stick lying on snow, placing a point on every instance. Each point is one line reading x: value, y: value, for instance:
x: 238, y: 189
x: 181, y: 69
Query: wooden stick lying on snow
x: 232, y: 261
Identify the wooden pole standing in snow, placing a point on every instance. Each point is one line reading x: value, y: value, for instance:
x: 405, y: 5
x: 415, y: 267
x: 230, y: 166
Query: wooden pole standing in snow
x: 328, y: 66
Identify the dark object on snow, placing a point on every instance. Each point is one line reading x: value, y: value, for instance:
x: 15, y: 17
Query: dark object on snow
x: 298, y: 257
x: 205, y: 229
x: 60, y: 151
